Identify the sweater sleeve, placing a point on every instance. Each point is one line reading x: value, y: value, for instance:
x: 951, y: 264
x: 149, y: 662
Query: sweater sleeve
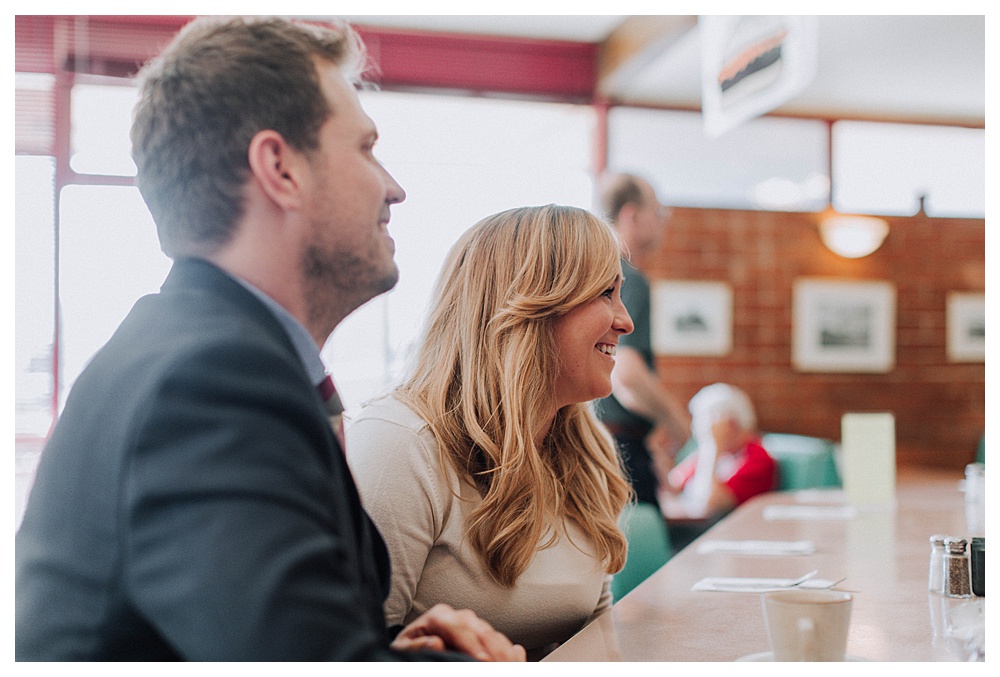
x: 403, y: 491
x: 605, y: 600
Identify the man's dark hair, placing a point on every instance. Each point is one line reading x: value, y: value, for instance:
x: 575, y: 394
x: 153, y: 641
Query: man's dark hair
x: 619, y: 190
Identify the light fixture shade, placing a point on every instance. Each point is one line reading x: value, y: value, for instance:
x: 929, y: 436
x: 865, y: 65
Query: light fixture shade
x: 853, y: 236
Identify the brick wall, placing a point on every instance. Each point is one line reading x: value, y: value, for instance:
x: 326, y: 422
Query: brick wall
x: 939, y: 405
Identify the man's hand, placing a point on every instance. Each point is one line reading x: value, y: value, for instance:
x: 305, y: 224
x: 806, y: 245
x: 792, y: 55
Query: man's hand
x: 444, y: 629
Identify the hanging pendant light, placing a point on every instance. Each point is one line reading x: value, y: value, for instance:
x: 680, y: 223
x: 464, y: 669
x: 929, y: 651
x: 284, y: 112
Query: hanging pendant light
x: 852, y: 236
x: 849, y: 235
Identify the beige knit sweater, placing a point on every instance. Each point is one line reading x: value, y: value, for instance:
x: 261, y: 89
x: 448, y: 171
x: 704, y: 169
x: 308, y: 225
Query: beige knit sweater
x: 413, y: 501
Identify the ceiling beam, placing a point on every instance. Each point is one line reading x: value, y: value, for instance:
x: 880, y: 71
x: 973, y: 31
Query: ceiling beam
x: 633, y: 46
x: 556, y: 69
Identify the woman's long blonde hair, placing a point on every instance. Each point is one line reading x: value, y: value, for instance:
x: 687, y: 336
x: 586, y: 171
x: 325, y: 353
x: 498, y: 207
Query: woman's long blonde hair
x: 483, y: 378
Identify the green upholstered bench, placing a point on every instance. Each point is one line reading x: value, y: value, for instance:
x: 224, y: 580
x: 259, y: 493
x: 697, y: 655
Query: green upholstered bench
x: 804, y: 462
x: 649, y: 547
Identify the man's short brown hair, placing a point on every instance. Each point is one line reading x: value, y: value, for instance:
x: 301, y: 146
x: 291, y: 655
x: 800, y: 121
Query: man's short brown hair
x: 618, y: 190
x: 219, y: 83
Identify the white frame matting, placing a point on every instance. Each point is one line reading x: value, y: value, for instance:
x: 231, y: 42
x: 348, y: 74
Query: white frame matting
x: 966, y: 321
x: 691, y: 317
x: 843, y: 325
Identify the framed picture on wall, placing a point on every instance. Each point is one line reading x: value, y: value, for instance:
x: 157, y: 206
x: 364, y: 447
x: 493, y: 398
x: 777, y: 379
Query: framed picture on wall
x: 843, y: 325
x: 966, y: 316
x: 691, y: 318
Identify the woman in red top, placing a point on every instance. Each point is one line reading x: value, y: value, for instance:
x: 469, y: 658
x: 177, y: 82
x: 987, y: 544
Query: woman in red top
x: 729, y: 464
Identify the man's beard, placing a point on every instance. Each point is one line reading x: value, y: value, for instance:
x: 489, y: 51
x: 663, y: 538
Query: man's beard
x: 339, y: 282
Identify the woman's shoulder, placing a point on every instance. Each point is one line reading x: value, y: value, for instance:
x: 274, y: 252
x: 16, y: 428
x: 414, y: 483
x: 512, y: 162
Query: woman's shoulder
x: 389, y: 409
x: 390, y: 445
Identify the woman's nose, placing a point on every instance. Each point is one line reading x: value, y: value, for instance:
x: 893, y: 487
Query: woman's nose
x: 623, y: 321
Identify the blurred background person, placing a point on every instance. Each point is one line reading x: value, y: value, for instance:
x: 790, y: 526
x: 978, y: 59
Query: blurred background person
x: 650, y: 423
x: 727, y: 467
x: 496, y: 487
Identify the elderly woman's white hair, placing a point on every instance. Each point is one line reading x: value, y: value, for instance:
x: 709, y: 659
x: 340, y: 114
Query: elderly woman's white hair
x: 720, y: 401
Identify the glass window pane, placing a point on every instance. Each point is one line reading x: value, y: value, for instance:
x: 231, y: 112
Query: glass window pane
x: 109, y: 256
x: 101, y: 120
x: 777, y: 164
x: 459, y: 160
x: 882, y: 168
x: 34, y: 293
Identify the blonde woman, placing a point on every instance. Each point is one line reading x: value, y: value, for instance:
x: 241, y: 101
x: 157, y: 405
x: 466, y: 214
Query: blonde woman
x: 488, y: 474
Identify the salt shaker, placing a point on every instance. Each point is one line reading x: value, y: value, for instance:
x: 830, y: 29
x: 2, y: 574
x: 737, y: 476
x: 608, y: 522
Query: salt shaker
x: 975, y: 499
x: 935, y: 574
x: 956, y: 568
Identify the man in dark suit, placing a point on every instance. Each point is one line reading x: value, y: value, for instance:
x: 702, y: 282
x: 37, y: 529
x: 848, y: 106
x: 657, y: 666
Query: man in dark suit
x: 194, y: 501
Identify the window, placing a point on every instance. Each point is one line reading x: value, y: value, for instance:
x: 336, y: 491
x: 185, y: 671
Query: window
x: 882, y: 168
x: 101, y: 119
x: 777, y: 164
x: 781, y: 164
x: 34, y: 294
x: 109, y: 257
x: 459, y: 160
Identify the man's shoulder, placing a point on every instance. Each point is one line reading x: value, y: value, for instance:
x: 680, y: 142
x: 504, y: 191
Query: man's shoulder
x: 189, y: 337
x: 635, y: 286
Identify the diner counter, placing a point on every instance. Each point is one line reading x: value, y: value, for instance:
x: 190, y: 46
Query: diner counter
x: 882, y: 554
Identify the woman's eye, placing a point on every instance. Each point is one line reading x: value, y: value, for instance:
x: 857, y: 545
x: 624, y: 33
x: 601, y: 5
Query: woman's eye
x: 609, y: 292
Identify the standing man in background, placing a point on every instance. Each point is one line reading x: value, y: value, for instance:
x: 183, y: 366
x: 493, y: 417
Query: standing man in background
x: 194, y: 502
x: 649, y: 423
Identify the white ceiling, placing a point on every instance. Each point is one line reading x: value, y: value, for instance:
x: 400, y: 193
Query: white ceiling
x: 914, y: 68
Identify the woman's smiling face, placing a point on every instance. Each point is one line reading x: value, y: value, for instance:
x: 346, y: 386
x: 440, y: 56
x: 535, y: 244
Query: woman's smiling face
x: 586, y: 339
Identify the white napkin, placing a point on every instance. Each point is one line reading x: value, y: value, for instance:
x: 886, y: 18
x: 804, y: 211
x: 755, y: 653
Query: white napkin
x: 810, y: 512
x: 823, y: 496
x: 758, y: 585
x: 757, y: 547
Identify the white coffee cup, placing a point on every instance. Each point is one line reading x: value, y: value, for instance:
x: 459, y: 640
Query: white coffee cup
x: 807, y: 625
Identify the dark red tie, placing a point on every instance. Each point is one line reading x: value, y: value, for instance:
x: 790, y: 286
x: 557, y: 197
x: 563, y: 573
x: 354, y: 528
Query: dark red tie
x: 334, y: 408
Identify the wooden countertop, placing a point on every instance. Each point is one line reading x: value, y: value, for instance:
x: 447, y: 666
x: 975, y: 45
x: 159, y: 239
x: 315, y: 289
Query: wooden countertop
x: 883, y: 553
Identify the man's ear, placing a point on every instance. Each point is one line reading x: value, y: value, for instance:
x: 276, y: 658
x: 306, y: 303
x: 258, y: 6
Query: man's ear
x: 627, y: 213
x: 277, y: 168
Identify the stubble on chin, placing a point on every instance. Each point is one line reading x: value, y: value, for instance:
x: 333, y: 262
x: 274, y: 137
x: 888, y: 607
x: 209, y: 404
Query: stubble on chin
x: 338, y: 283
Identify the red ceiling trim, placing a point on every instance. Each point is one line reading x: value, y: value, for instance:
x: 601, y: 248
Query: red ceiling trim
x: 118, y: 45
x: 34, y: 37
x: 106, y: 45
x: 549, y: 68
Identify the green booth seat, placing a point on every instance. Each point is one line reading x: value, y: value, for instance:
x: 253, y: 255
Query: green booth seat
x: 649, y: 547
x: 804, y: 462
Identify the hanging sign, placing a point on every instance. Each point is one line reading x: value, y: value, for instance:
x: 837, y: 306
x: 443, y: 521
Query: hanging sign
x: 750, y: 65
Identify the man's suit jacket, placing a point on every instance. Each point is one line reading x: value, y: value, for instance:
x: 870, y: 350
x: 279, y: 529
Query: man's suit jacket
x: 193, y: 503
